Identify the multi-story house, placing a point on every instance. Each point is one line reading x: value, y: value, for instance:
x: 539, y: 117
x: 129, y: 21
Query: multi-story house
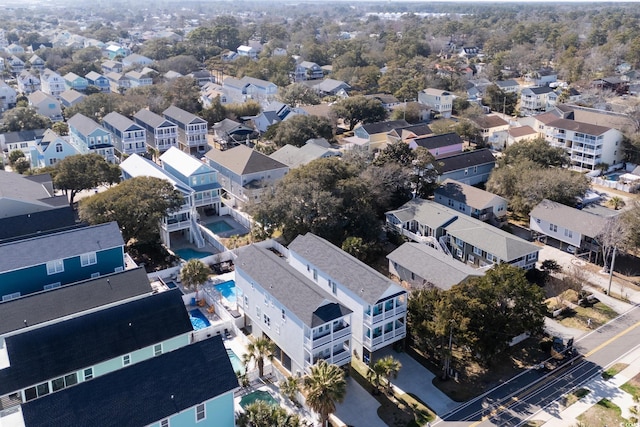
x: 88, y: 136
x: 245, y: 173
x: 21, y: 140
x: 439, y: 145
x: 161, y: 133
x: 472, y: 201
x: 305, y: 322
x: 71, y: 97
x: 508, y: 86
x: 118, y: 82
x: 37, y: 63
x: 373, y: 136
x: 468, y: 167
x: 27, y: 82
x: 192, y: 130
x: 48, y: 260
x: 307, y: 70
x: 128, y: 137
x: 181, y: 221
x: 587, y: 144
x: 438, y: 100
x: 99, y: 81
x: 111, y: 67
x: 75, y: 82
x: 240, y: 90
x: 490, y: 126
x: 534, y: 100
x: 466, y: 239
x: 8, y: 96
x: 379, y: 305
x: 247, y: 51
x: 46, y: 105
x: 16, y: 65
x: 52, y: 83
x: 136, y: 59
x: 139, y: 78
x: 116, y: 50
x: 50, y: 150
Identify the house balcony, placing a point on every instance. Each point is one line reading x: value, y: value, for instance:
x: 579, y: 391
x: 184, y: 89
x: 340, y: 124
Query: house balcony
x: 328, y: 337
x: 339, y: 357
x: 586, y: 150
x: 206, y: 201
x: 384, y: 339
x: 381, y: 316
x: 584, y: 159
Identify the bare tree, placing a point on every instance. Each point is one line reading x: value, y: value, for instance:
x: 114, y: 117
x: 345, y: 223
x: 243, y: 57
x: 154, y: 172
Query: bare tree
x: 613, y: 235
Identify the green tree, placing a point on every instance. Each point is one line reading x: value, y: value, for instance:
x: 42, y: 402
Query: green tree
x: 289, y: 387
x: 84, y: 172
x: 299, y: 129
x: 536, y: 150
x: 298, y: 94
x: 376, y: 375
x: 15, y: 155
x: 61, y: 128
x: 21, y: 165
x: 193, y: 274
x: 358, y: 109
x: 631, y: 218
x: 257, y: 351
x: 263, y: 414
x: 24, y: 118
x: 325, y: 386
x: 499, y: 100
x: 390, y: 367
x: 137, y: 205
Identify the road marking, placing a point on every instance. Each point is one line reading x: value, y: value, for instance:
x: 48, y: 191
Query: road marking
x: 610, y: 340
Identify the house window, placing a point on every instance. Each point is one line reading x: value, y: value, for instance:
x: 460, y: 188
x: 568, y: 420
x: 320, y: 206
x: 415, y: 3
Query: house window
x: 568, y: 233
x: 55, y: 266
x: 267, y: 321
x: 246, y: 301
x: 277, y: 329
x: 88, y: 259
x: 126, y: 360
x: 315, y: 274
x: 157, y: 349
x: 471, y: 259
x: 284, y: 317
x: 58, y: 148
x: 200, y: 412
x: 490, y: 257
x: 52, y: 286
x: 258, y: 312
x: 553, y: 227
x: 466, y: 172
x: 458, y: 253
x: 88, y: 374
x: 458, y: 241
x: 11, y: 296
x: 334, y: 288
x: 477, y: 251
x: 164, y: 423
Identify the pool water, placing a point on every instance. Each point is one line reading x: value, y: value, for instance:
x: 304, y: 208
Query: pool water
x: 265, y: 396
x: 198, y: 319
x: 219, y: 227
x: 227, y: 290
x: 188, y: 253
x: 237, y: 364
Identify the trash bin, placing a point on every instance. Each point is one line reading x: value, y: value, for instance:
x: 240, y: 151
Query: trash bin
x: 193, y: 301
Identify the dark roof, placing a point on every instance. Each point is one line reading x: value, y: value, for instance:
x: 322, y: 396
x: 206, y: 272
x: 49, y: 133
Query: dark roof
x: 438, y: 141
x: 77, y: 297
x: 152, y: 119
x: 181, y: 116
x: 540, y: 90
x: 35, y: 222
x: 44, y: 353
x: 383, y: 127
x: 142, y: 393
x: 120, y: 122
x: 23, y: 135
x: 463, y: 160
x: 588, y: 128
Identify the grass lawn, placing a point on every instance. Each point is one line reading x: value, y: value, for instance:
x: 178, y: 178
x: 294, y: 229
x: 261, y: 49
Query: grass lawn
x: 612, y: 371
x: 577, y: 317
x: 632, y: 386
x: 604, y: 413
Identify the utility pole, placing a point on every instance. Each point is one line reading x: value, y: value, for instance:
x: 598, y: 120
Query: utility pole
x: 613, y: 262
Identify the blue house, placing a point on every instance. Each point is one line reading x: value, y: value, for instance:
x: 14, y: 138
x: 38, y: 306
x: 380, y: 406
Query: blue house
x: 50, y: 150
x: 74, y: 81
x: 49, y: 260
x: 99, y: 81
x: 469, y: 167
x: 88, y: 136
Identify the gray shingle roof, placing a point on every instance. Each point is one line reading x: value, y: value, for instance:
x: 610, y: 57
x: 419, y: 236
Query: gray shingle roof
x: 243, y: 160
x: 120, y: 122
x: 18, y: 187
x: 472, y: 196
x: 388, y: 126
x: 437, y: 141
x: 182, y: 116
x: 436, y: 267
x: 84, y: 124
x: 291, y: 288
x: 453, y: 162
x: 363, y: 281
x: 585, y: 223
x: 65, y: 244
x: 575, y: 126
x: 152, y: 119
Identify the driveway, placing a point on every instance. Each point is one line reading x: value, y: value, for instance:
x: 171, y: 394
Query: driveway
x: 360, y: 408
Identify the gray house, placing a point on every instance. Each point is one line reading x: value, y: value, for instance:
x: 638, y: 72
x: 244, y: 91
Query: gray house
x: 472, y: 201
x: 469, y: 167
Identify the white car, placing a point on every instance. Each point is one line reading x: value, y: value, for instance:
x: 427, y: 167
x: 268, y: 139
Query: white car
x: 572, y: 249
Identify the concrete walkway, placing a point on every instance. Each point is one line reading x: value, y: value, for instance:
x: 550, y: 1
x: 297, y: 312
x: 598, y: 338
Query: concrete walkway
x: 555, y: 416
x: 556, y: 329
x: 359, y: 407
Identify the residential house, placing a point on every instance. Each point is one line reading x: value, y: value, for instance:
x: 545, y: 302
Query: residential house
x: 535, y: 99
x: 379, y: 305
x: 466, y: 239
x: 46, y: 261
x: 520, y: 133
x: 279, y: 51
x: 305, y: 322
x: 240, y: 90
x: 542, y: 77
x: 508, y: 86
x: 569, y: 226
x: 46, y: 105
x: 52, y: 83
x: 202, y: 77
x: 139, y: 78
x: 71, y: 97
x: 307, y: 70
x: 489, y: 126
x: 118, y: 82
x: 99, y: 81
x: 477, y: 87
x: 172, y: 75
x: 8, y: 96
x: 135, y: 59
x: 619, y: 121
x: 87, y: 136
x: 587, y: 144
x: 114, y: 50
x: 373, y: 136
x: 28, y: 205
x: 50, y: 150
x: 439, y: 145
x: 22, y: 140
x: 409, y: 133
x: 34, y: 47
x: 192, y: 130
x: 423, y: 111
x: 438, y: 100
x: 421, y: 266
x: 388, y: 101
x: 229, y: 132
x: 331, y: 87
x: 469, y: 167
x: 128, y: 137
x: 27, y: 82
x: 245, y: 173
x: 201, y: 177
x: 272, y: 113
x: 14, y: 49
x: 293, y: 156
x: 612, y: 83
x: 469, y: 52
x: 472, y: 201
x: 75, y: 82
x: 111, y: 67
x: 184, y: 219
x: 16, y: 65
x: 161, y: 133
x: 209, y: 92
x: 37, y: 63
x: 247, y: 51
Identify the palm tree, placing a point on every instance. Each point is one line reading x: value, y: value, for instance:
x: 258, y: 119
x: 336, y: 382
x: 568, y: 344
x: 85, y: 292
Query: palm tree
x: 616, y: 202
x: 375, y: 375
x: 289, y: 388
x: 193, y: 274
x: 390, y: 366
x: 257, y: 351
x: 262, y: 414
x: 325, y: 386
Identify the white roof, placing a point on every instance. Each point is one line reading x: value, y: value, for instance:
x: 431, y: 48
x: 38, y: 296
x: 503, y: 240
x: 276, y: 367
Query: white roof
x: 184, y: 163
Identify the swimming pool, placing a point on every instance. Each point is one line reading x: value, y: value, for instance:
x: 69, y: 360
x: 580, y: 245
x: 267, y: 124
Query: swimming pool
x: 227, y: 290
x: 171, y: 284
x: 188, y: 253
x: 254, y: 396
x: 237, y: 364
x: 219, y: 227
x: 198, y: 319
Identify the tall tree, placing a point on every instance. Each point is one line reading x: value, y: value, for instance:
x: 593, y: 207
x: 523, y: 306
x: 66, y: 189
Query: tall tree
x: 358, y: 109
x: 257, y: 352
x: 24, y: 118
x: 84, y: 172
x: 325, y: 386
x: 137, y: 204
x: 536, y: 150
x: 390, y: 367
x: 299, y: 129
x: 193, y: 274
x: 263, y: 414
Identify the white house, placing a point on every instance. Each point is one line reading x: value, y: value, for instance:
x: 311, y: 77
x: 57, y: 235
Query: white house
x: 52, y: 83
x: 248, y: 51
x: 438, y: 100
x: 46, y: 105
x: 162, y: 134
x: 8, y: 96
x: 128, y: 137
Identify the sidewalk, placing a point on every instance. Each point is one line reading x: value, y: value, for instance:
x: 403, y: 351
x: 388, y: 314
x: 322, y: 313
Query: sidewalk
x: 555, y: 416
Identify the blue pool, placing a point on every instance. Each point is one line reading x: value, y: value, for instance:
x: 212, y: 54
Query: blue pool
x: 254, y: 396
x: 237, y: 364
x: 171, y: 284
x: 227, y: 290
x: 198, y: 319
x: 188, y: 253
x: 219, y: 227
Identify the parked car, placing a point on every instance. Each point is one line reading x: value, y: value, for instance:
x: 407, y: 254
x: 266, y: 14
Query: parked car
x: 572, y: 249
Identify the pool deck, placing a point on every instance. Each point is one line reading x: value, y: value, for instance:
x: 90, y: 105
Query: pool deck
x: 236, y: 227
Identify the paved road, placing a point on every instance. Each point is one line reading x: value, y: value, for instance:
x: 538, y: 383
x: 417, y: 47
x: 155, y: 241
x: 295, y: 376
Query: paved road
x: 515, y: 401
